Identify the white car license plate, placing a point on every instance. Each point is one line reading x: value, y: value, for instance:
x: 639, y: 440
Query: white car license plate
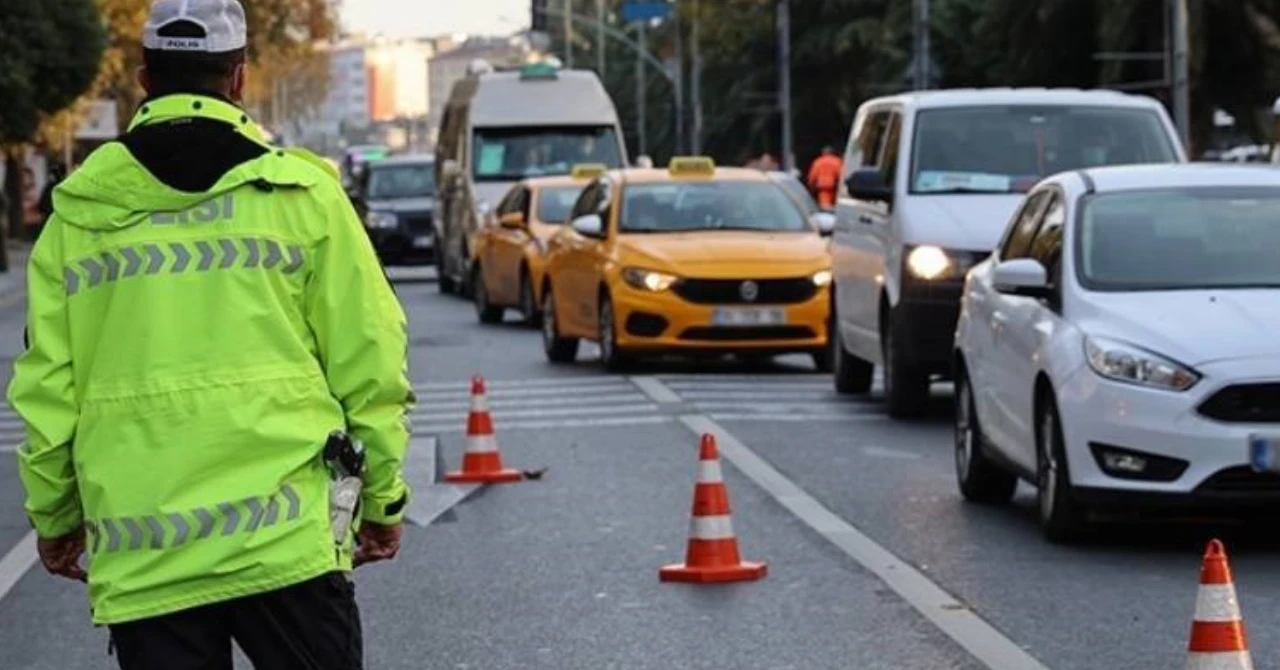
x: 725, y: 316
x: 1264, y: 453
x: 423, y: 242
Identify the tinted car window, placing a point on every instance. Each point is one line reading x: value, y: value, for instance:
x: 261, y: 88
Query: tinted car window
x: 510, y: 154
x: 388, y: 182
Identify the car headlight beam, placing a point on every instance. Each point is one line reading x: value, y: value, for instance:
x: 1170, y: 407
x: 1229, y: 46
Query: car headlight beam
x: 1129, y: 364
x: 381, y: 220
x: 928, y: 262
x: 649, y: 280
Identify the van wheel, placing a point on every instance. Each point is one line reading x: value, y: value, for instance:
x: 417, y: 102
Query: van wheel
x: 852, y: 374
x: 558, y: 349
x: 1062, y: 519
x: 487, y: 312
x: 906, y: 387
x: 980, y: 479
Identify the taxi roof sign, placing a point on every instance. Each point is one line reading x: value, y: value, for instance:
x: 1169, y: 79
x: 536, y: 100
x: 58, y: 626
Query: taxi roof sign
x: 588, y: 170
x: 692, y: 166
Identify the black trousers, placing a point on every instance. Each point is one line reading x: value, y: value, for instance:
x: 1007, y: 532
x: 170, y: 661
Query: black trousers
x: 309, y: 626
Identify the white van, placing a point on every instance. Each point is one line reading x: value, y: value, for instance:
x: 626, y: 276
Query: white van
x: 931, y: 180
x: 501, y: 127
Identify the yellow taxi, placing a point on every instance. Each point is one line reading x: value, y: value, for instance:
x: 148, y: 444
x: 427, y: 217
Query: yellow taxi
x: 509, y: 258
x: 692, y: 259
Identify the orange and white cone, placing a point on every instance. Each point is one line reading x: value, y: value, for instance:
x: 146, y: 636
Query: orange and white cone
x: 481, y: 461
x: 712, y: 554
x: 1217, y: 631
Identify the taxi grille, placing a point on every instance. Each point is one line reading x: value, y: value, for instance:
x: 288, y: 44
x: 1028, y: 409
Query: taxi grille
x: 747, y: 334
x: 729, y: 291
x: 1244, y: 403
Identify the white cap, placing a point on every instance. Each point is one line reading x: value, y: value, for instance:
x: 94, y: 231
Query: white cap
x: 202, y: 26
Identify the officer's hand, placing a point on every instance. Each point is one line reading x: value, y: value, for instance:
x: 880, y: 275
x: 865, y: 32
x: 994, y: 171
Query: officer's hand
x: 377, y: 543
x: 61, y: 555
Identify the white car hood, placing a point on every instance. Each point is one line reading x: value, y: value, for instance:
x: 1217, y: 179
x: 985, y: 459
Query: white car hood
x: 1192, y: 327
x: 967, y: 222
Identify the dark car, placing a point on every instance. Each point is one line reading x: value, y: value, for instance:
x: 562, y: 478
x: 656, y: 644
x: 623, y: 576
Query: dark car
x: 395, y: 198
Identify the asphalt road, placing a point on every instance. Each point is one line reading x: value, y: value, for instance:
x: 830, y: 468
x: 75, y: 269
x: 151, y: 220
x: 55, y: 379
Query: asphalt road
x: 874, y: 560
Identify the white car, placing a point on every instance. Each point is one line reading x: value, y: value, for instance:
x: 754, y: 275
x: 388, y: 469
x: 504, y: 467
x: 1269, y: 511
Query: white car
x: 931, y: 179
x: 1122, y: 344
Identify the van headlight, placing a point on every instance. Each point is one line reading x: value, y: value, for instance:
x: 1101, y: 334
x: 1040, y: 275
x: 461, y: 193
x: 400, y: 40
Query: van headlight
x: 1127, y: 363
x: 649, y: 280
x: 928, y: 262
x: 381, y: 220
x: 821, y: 278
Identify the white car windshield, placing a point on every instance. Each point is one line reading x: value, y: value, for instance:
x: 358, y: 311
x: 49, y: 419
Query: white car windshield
x: 1005, y: 149
x: 727, y: 205
x: 1181, y: 239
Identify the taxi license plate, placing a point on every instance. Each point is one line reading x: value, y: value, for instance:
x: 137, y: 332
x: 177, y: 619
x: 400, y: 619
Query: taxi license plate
x: 1264, y: 453
x: 422, y: 242
x: 748, y: 317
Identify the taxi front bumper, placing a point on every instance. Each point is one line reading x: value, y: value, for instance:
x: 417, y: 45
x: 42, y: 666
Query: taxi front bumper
x: 665, y: 321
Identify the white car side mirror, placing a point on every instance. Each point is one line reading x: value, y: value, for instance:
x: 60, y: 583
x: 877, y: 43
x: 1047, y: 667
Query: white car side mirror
x: 1021, y: 276
x: 590, y: 225
x: 825, y: 222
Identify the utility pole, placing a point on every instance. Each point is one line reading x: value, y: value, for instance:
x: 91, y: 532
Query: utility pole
x: 1181, y: 78
x: 784, y: 81
x: 696, y: 84
x: 680, y: 111
x: 922, y: 75
x: 568, y: 34
x: 600, y: 43
x: 641, y: 127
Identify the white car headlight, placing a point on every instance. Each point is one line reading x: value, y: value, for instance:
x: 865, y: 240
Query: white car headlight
x: 381, y: 220
x: 649, y: 280
x: 821, y: 278
x: 928, y: 262
x: 1133, y: 365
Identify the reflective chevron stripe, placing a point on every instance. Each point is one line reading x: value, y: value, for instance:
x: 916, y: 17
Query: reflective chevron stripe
x: 160, y: 531
x: 150, y: 259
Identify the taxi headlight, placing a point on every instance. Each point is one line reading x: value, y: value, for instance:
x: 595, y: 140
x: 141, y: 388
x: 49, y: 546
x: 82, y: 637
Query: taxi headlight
x: 648, y: 280
x: 1126, y: 363
x: 381, y: 220
x: 821, y: 278
x: 928, y: 262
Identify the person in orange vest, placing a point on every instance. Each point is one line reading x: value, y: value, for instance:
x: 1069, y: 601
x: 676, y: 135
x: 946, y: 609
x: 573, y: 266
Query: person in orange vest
x: 824, y: 177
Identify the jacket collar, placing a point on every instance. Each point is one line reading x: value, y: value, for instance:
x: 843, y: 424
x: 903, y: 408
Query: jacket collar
x: 186, y: 106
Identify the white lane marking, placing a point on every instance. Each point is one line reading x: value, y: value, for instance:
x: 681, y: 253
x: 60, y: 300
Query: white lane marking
x: 759, y: 395
x: 16, y: 563
x: 952, y: 617
x: 749, y: 386
x: 655, y: 389
x: 881, y: 452
x: 533, y: 413
x: 609, y: 422
x: 437, y: 499
x: 788, y: 407
x: 460, y: 402
x: 521, y: 383
x: 616, y: 387
x: 9, y: 448
x: 787, y: 377
x: 793, y: 418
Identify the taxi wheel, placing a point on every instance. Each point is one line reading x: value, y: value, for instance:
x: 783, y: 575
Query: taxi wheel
x: 558, y: 349
x: 822, y: 361
x: 1061, y: 518
x: 528, y: 303
x: 480, y: 295
x: 614, y: 360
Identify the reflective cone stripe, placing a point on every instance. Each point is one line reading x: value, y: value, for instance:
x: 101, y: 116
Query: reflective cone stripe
x: 1218, y: 640
x: 479, y: 421
x: 481, y: 460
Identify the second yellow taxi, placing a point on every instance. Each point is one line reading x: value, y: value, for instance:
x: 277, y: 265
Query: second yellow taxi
x: 693, y: 259
x: 509, y: 258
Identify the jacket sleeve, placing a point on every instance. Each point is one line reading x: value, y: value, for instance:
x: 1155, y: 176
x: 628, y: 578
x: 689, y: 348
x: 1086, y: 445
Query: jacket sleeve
x: 42, y: 392
x: 362, y: 335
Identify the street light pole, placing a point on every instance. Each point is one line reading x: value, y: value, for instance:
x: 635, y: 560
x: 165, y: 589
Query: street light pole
x: 641, y: 101
x: 679, y: 79
x: 1181, y: 78
x: 922, y: 47
x: 696, y: 84
x: 600, y: 43
x: 568, y: 33
x: 784, y: 81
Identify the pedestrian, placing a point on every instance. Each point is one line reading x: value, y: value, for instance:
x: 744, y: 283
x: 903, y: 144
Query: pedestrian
x: 824, y: 177
x: 204, y: 310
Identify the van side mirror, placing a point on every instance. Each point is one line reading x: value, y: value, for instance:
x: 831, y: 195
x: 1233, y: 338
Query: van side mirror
x: 1021, y: 276
x: 869, y: 184
x: 589, y: 225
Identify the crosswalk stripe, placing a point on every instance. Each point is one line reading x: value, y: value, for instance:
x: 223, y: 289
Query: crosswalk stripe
x: 600, y: 422
x: 615, y: 387
x: 564, y: 411
x: 500, y: 402
x: 789, y: 408
x: 685, y: 387
x: 523, y: 383
x: 792, y: 418
x: 762, y: 394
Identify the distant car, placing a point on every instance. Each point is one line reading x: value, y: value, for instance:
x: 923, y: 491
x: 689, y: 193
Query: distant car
x: 1120, y: 346
x: 397, y: 196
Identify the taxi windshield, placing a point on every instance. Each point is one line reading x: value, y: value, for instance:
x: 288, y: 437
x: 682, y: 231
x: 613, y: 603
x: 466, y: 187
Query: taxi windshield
x: 512, y: 154
x: 1005, y: 149
x: 554, y: 203
x: 402, y: 181
x: 726, y: 205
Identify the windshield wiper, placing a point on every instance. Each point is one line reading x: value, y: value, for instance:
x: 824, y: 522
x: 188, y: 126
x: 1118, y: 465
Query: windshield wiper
x: 962, y: 189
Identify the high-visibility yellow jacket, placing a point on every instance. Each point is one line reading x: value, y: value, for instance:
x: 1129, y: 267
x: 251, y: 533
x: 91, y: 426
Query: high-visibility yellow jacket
x: 188, y: 354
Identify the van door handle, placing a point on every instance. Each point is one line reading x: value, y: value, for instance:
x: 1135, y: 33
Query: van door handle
x: 863, y: 218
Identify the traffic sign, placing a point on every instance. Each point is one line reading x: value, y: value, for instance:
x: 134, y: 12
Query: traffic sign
x: 645, y: 10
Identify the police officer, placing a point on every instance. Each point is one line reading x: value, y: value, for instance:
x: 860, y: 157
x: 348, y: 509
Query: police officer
x: 204, y: 309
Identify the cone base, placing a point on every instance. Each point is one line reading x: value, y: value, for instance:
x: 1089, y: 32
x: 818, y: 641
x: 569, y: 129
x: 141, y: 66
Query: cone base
x: 504, y: 476
x: 742, y: 572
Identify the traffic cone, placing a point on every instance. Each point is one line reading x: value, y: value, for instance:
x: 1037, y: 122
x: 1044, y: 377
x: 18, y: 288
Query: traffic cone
x: 1217, y: 631
x: 481, y: 461
x: 712, y: 554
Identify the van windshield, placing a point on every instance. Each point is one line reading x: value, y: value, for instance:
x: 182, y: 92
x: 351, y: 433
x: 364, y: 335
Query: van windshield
x: 511, y: 154
x: 1008, y: 148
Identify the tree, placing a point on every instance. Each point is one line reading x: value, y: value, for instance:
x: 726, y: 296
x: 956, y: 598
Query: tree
x: 49, y: 54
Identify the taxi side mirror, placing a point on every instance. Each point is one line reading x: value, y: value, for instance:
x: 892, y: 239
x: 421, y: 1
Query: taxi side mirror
x: 824, y: 222
x: 590, y: 225
x: 513, y: 221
